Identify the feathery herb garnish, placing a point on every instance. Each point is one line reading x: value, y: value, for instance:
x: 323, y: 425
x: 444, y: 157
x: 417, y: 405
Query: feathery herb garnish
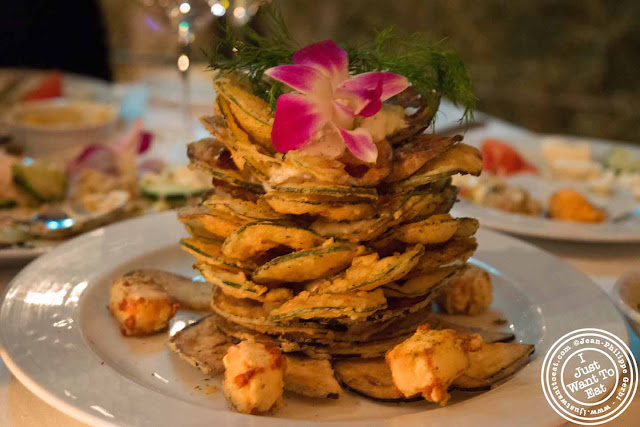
x: 431, y: 68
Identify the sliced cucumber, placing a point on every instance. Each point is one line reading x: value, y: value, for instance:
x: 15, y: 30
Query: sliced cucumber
x: 43, y: 180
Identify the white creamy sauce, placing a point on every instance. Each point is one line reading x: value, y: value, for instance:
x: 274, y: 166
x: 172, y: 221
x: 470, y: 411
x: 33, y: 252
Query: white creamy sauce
x: 389, y: 120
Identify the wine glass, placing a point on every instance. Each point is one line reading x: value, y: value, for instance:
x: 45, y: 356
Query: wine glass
x: 187, y: 16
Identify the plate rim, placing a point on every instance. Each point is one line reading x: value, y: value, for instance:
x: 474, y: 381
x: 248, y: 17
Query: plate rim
x: 83, y: 415
x: 492, y: 220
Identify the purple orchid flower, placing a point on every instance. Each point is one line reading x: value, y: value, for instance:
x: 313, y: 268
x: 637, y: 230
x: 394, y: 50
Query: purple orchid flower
x: 329, y: 99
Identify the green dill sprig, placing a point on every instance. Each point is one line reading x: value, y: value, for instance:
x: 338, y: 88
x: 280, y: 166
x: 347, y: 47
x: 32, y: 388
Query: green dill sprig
x: 431, y: 68
x: 428, y: 66
x: 252, y: 53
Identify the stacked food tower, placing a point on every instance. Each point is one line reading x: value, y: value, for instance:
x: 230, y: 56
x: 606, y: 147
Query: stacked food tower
x: 330, y: 256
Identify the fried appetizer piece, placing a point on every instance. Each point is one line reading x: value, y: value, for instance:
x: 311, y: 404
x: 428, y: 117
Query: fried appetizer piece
x: 569, y: 205
x: 429, y: 361
x: 141, y: 305
x: 311, y: 377
x: 254, y: 377
x: 190, y: 294
x: 470, y: 293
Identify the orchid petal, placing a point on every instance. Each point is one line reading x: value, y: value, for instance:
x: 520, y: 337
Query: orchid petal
x: 371, y: 108
x: 302, y: 78
x: 392, y: 84
x: 327, y: 57
x: 360, y: 143
x: 296, y: 121
x: 364, y: 101
x: 343, y: 116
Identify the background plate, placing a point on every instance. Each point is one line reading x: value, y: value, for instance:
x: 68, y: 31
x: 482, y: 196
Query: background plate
x: 529, y: 145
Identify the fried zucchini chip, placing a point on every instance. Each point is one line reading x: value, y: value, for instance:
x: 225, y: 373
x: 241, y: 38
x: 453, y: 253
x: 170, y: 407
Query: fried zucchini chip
x: 243, y: 152
x: 392, y: 209
x: 425, y: 110
x: 326, y: 192
x: 367, y: 350
x: 467, y: 227
x: 458, y: 249
x: 310, y: 377
x: 258, y: 237
x: 423, y: 203
x: 313, y: 350
x: 213, y: 158
x: 433, y: 230
x: 202, y: 345
x: 399, y: 307
x: 239, y: 310
x: 364, y: 172
x: 246, y: 210
x: 354, y: 305
x: 210, y: 252
x: 198, y: 231
x: 410, y: 157
x: 369, y: 272
x: 308, y: 264
x: 215, y: 223
x: 337, y: 211
x: 492, y: 364
x: 460, y: 158
x: 325, y: 169
x: 234, y: 284
x: 261, y: 160
x: 355, y: 231
x: 422, y: 284
x: 253, y: 114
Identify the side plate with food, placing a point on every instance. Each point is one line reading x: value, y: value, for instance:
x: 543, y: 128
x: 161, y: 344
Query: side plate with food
x: 554, y: 187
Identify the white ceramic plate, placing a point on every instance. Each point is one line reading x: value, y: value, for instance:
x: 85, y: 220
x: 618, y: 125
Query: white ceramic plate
x: 23, y: 253
x: 528, y: 144
x: 60, y: 341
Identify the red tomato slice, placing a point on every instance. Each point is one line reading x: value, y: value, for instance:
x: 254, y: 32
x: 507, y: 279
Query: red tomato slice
x: 50, y: 87
x: 500, y: 158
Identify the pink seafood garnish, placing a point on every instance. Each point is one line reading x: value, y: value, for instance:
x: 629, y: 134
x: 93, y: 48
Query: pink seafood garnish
x: 109, y: 158
x: 329, y: 99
